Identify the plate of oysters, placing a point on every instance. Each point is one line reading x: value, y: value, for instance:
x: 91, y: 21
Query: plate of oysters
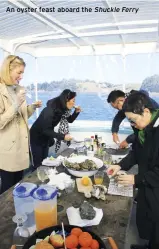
x: 82, y: 165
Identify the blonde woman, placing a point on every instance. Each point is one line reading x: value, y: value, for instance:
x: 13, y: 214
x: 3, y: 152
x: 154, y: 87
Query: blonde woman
x: 14, y: 114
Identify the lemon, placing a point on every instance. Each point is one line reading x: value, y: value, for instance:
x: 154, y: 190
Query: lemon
x: 85, y: 180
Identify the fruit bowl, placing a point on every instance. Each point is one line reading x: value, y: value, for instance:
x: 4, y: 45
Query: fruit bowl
x: 58, y: 229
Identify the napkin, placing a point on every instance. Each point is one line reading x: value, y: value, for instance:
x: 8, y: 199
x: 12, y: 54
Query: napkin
x: 74, y: 218
x: 61, y: 181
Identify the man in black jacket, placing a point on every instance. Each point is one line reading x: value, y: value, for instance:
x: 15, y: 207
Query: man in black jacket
x: 117, y: 98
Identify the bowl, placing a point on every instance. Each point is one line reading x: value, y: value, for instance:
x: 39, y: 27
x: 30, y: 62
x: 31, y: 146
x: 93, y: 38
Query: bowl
x: 46, y: 232
x: 79, y: 159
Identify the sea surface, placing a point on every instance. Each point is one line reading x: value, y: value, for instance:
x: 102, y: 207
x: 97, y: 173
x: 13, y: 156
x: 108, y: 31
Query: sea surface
x: 94, y: 106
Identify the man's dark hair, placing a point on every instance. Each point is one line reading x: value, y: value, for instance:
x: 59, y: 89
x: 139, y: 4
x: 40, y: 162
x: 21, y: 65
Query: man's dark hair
x: 137, y: 102
x: 115, y: 95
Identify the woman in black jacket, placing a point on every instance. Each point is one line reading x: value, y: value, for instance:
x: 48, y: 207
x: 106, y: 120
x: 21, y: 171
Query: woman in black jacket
x: 42, y: 132
x: 144, y: 118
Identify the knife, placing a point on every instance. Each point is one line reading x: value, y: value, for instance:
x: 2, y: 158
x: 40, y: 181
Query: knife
x: 63, y: 233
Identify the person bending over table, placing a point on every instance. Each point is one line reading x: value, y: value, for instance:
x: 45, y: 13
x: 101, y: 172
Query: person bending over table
x: 116, y: 98
x: 144, y: 119
x: 42, y: 134
x: 14, y: 114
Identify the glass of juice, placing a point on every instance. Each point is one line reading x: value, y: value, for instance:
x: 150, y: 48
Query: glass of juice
x: 98, y: 178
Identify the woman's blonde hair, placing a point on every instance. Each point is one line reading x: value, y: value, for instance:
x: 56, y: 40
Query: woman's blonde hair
x: 9, y: 63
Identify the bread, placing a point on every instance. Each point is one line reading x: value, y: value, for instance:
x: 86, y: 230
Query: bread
x: 43, y: 245
x: 56, y: 240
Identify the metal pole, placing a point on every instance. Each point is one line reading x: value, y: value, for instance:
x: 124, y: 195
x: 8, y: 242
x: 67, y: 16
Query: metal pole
x: 124, y: 65
x: 36, y: 85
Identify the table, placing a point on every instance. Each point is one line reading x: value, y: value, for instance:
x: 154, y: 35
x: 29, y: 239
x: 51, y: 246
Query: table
x: 116, y: 211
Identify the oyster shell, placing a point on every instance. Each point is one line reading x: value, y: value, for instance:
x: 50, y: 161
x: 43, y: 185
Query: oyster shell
x: 98, y: 191
x: 86, y: 165
x: 87, y: 211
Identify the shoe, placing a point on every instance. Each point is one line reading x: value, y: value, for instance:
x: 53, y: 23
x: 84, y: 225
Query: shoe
x: 138, y: 247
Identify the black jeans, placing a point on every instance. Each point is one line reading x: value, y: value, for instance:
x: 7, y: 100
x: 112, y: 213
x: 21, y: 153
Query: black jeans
x: 9, y: 179
x: 39, y: 153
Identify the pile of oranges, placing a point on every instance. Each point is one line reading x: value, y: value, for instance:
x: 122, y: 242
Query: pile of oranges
x: 80, y: 239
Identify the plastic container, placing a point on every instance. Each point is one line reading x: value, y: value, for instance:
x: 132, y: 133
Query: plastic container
x: 23, y: 201
x: 45, y: 207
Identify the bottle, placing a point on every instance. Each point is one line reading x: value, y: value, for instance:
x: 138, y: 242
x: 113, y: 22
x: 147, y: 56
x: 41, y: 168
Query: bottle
x: 92, y: 143
x: 96, y: 143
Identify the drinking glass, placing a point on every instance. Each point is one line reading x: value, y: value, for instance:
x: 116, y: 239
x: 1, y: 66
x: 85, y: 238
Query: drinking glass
x: 69, y: 186
x: 87, y: 143
x: 41, y: 174
x: 81, y: 151
x: 21, y: 233
x: 100, y: 140
x: 98, y: 177
x: 107, y: 159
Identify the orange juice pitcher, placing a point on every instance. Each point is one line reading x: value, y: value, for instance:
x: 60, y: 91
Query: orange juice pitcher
x: 45, y: 207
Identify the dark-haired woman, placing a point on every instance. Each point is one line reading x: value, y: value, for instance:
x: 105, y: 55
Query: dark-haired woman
x: 58, y: 111
x: 144, y: 118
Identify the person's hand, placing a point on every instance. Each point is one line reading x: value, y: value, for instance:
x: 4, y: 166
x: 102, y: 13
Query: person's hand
x: 126, y: 180
x: 21, y: 97
x: 13, y: 247
x: 78, y: 109
x: 68, y: 137
x: 113, y: 170
x: 116, y: 138
x: 123, y: 144
x: 37, y: 104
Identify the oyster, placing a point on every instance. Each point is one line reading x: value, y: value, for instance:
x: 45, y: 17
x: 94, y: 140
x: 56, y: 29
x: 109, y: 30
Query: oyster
x: 86, y: 165
x: 98, y: 191
x: 87, y: 211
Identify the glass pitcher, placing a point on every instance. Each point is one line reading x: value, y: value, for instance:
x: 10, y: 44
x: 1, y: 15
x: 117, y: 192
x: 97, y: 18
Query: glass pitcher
x: 45, y: 207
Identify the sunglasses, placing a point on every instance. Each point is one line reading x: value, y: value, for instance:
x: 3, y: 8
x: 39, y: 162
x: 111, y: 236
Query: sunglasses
x: 132, y: 122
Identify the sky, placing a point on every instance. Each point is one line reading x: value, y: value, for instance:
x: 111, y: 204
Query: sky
x: 105, y: 68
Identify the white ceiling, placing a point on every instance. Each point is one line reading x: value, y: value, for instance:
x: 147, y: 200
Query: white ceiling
x: 39, y: 31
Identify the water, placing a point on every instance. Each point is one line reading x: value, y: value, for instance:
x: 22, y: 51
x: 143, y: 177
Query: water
x: 94, y: 106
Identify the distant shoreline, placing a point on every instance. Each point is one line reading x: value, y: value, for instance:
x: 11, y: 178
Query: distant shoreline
x: 92, y: 92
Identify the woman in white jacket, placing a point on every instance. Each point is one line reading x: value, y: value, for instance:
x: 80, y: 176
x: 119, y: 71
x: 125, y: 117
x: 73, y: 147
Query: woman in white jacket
x: 14, y: 114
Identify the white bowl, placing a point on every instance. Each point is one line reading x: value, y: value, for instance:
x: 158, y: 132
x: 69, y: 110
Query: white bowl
x: 79, y: 159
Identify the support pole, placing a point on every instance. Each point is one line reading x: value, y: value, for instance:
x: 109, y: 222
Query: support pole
x: 36, y: 85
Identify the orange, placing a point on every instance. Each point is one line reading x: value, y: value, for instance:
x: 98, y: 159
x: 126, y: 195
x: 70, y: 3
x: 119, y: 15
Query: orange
x: 94, y: 244
x: 85, y: 180
x: 71, y: 241
x: 85, y: 239
x: 76, y: 231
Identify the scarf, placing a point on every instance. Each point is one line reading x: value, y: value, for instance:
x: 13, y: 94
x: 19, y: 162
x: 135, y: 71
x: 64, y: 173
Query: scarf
x: 63, y: 129
x: 141, y: 133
